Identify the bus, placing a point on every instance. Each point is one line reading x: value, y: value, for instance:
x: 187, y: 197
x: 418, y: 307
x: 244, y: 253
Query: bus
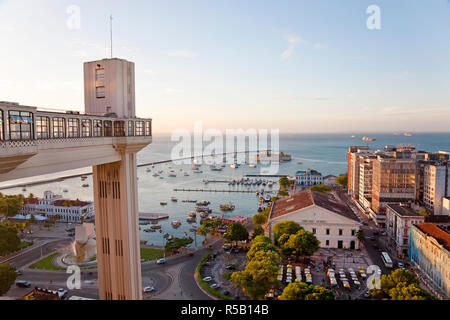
x: 387, y: 260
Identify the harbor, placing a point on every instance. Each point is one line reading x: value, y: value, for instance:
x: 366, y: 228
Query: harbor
x: 213, y: 190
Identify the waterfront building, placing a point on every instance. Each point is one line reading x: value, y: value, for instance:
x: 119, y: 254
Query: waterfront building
x: 399, y: 219
x: 332, y: 222
x: 70, y: 211
x: 393, y: 182
x: 436, y: 186
x: 308, y: 178
x: 429, y: 252
x: 365, y: 180
x: 353, y: 169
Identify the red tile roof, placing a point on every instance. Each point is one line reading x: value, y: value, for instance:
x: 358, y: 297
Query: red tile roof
x: 434, y: 231
x: 309, y: 198
x: 73, y: 203
x: 32, y: 201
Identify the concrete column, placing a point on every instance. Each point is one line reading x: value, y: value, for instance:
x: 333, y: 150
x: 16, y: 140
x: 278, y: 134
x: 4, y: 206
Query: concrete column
x: 117, y: 229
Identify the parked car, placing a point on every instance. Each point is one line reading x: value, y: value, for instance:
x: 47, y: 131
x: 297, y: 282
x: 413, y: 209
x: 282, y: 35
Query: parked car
x: 161, y: 261
x: 149, y: 289
x: 207, y: 279
x: 400, y: 265
x: 236, y: 250
x: 18, y: 272
x: 215, y: 286
x: 383, y: 233
x: 366, y: 294
x: 230, y: 267
x: 23, y: 284
x: 191, y: 254
x: 88, y: 282
x: 206, y: 263
x: 225, y: 292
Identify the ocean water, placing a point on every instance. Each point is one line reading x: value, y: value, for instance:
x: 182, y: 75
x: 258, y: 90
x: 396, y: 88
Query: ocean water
x: 326, y: 153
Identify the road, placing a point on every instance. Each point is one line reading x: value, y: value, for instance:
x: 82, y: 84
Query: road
x: 152, y: 275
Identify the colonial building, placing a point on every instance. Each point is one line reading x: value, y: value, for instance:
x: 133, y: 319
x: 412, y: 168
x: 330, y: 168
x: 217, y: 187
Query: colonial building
x: 308, y: 178
x: 429, y: 251
x: 332, y: 222
x: 71, y: 211
x: 399, y: 219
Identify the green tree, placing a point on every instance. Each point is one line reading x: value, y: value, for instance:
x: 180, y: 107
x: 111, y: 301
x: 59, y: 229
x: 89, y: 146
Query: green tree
x: 400, y: 285
x: 236, y: 232
x: 11, y: 205
x: 342, y: 181
x: 7, y: 277
x: 260, y: 246
x: 284, y: 183
x: 262, y: 217
x: 424, y: 212
x: 259, y: 276
x: 304, y: 291
x: 177, y: 243
x: 285, y: 227
x: 360, y: 235
x: 258, y: 231
x: 301, y: 244
x: 9, y: 241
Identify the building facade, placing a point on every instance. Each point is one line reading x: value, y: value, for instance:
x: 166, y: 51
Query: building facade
x: 429, y: 252
x: 399, y: 219
x: 308, y: 178
x: 353, y: 169
x: 333, y: 224
x: 69, y: 211
x: 436, y: 186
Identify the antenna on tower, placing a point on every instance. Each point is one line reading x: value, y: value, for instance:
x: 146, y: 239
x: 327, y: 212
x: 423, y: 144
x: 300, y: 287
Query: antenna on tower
x: 111, y: 30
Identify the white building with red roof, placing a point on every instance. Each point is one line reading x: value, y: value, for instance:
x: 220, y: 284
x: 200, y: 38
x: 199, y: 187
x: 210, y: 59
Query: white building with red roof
x: 70, y: 211
x: 331, y: 221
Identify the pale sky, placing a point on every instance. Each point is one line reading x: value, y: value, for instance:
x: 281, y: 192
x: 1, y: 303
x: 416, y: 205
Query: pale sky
x: 297, y: 66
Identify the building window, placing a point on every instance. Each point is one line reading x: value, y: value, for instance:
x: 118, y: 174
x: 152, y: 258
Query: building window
x: 328, y: 243
x: 353, y: 232
x: 74, y: 128
x: 59, y: 127
x: 119, y: 128
x: 314, y: 231
x: 341, y: 232
x: 42, y: 127
x: 20, y: 125
x: 98, y: 128
x: 139, y: 128
x: 130, y: 128
x: 100, y: 92
x: 86, y: 128
x: 100, y: 75
x: 328, y: 232
x: 108, y: 128
x: 1, y: 125
x: 148, y: 128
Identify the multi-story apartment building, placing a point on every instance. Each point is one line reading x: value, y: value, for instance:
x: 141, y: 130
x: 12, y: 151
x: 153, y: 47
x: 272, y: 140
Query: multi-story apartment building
x: 429, y: 252
x: 353, y: 168
x: 393, y: 181
x: 365, y: 180
x: 436, y: 185
x: 399, y: 219
x: 71, y: 211
x: 308, y: 178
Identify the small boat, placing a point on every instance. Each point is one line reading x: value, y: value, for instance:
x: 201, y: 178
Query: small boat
x: 191, y: 220
x: 227, y: 207
x: 189, y: 201
x: 85, y: 185
x: 161, y: 178
x: 197, y: 171
x: 149, y: 170
x: 176, y: 224
x: 192, y: 214
x: 157, y: 227
x: 204, y: 210
x: 252, y: 165
x: 65, y: 190
x: 409, y: 135
x: 203, y: 203
x: 172, y: 175
x: 300, y: 163
x: 173, y: 199
x: 367, y: 139
x: 186, y: 174
x: 204, y: 214
x: 170, y: 237
x: 233, y: 166
x: 24, y: 189
x: 163, y: 203
x: 156, y: 175
x: 83, y: 178
x: 149, y: 230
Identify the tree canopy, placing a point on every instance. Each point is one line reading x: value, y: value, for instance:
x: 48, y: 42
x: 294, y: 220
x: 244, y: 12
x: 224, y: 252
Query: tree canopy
x: 262, y: 217
x: 400, y: 285
x: 258, y: 231
x: 236, y: 232
x: 209, y: 226
x: 301, y: 244
x: 11, y: 205
x: 285, y: 227
x: 9, y: 241
x: 342, y: 180
x: 7, y: 277
x: 304, y: 291
x: 321, y: 188
x: 178, y: 243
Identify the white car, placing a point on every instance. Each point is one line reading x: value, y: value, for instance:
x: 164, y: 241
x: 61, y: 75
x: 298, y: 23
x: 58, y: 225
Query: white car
x: 161, y: 261
x: 215, y: 286
x: 207, y: 279
x: 88, y: 282
x: 149, y: 289
x: 62, y: 293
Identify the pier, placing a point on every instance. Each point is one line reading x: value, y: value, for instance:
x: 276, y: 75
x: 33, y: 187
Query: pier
x: 153, y: 216
x: 213, y: 190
